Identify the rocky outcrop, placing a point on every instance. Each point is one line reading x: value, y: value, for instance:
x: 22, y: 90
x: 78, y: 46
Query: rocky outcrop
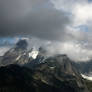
x: 59, y: 72
x: 16, y: 55
x: 56, y: 74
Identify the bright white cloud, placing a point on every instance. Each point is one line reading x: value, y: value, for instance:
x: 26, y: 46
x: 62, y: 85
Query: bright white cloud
x: 82, y: 13
x: 75, y: 51
x: 80, y: 9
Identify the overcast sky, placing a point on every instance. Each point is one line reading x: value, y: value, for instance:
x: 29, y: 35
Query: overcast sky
x: 63, y: 26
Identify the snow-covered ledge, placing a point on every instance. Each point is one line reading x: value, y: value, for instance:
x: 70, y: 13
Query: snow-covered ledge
x: 87, y: 77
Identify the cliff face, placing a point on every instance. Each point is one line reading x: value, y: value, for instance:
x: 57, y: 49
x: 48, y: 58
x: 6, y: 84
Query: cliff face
x: 56, y: 74
x: 59, y: 72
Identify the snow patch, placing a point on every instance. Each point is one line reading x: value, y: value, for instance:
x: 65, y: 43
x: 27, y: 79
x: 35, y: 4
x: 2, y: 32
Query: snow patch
x: 87, y: 77
x: 33, y: 54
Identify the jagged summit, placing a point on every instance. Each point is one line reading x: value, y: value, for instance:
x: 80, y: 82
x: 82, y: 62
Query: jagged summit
x: 19, y: 54
x: 16, y: 55
x: 21, y: 44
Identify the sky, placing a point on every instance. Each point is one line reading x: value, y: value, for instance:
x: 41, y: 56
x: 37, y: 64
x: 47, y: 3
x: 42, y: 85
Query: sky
x: 61, y: 26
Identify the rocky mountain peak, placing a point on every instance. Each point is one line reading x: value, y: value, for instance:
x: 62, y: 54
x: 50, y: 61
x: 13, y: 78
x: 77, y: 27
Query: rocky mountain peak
x: 21, y: 44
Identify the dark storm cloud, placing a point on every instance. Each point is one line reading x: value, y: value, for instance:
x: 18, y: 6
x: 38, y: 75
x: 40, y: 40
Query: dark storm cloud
x: 30, y: 17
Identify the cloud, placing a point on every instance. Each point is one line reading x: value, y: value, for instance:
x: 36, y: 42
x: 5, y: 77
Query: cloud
x: 61, y: 26
x: 76, y: 51
x: 41, y: 21
x: 78, y: 32
x: 67, y: 5
x: 79, y: 9
x: 82, y: 13
x: 12, y: 9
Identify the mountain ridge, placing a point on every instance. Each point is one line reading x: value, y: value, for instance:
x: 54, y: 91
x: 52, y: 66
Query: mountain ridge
x: 55, y: 73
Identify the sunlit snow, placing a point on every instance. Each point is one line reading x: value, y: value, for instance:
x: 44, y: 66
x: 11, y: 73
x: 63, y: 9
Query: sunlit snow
x: 87, y: 77
x: 33, y: 54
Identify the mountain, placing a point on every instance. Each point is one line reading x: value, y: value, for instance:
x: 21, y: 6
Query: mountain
x: 58, y: 71
x: 40, y: 58
x: 23, y: 70
x: 21, y: 56
x: 56, y: 74
x: 85, y: 68
x: 89, y: 85
x: 14, y: 78
x: 18, y: 54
